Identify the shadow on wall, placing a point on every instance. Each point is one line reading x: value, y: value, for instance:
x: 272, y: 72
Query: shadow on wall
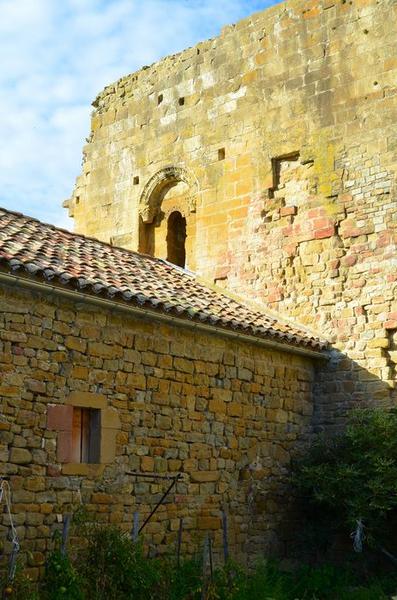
x: 340, y: 386
x: 343, y: 385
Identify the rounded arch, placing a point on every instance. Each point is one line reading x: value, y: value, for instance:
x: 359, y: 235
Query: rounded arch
x: 151, y: 197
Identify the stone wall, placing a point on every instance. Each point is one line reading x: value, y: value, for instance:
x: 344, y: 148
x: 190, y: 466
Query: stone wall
x: 283, y: 130
x: 226, y: 414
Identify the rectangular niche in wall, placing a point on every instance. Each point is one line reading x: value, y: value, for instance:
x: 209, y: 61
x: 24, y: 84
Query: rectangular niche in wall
x: 291, y: 180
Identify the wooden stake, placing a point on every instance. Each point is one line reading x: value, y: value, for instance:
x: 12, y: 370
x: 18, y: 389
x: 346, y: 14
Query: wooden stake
x: 179, y: 542
x: 135, y: 528
x: 65, y: 533
x: 204, y: 572
x: 210, y: 556
x: 225, y: 537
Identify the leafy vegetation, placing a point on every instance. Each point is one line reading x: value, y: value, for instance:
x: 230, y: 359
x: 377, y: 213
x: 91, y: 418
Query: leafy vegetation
x: 61, y: 579
x: 22, y: 588
x: 111, y: 567
x: 353, y: 476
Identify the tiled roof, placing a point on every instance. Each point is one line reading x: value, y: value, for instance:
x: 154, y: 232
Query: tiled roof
x: 33, y: 248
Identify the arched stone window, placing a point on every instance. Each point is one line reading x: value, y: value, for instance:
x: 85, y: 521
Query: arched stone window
x: 176, y: 237
x: 167, y: 224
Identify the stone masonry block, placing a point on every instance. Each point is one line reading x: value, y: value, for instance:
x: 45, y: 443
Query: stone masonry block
x: 86, y: 400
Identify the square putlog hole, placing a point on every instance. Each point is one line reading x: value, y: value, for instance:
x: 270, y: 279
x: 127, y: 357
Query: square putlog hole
x: 135, y: 180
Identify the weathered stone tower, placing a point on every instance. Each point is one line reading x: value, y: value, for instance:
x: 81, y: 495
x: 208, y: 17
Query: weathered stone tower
x: 265, y: 161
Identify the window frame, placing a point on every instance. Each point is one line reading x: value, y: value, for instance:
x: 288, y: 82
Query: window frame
x: 108, y: 425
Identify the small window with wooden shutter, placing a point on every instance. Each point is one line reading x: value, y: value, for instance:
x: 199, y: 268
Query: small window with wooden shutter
x: 86, y: 432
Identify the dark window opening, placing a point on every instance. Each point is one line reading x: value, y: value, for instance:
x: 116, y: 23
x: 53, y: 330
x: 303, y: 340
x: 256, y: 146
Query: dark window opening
x: 181, y: 101
x: 136, y: 180
x: 86, y: 435
x: 221, y: 154
x: 160, y: 98
x: 176, y: 237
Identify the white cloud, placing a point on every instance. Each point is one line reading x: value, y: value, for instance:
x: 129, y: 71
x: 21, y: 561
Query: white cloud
x: 56, y: 56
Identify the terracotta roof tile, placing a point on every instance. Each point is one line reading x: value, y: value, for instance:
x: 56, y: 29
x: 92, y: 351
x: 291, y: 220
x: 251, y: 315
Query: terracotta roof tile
x: 68, y: 259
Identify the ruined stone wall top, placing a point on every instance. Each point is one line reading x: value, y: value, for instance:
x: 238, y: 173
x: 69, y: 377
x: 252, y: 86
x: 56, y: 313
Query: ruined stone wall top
x: 140, y: 84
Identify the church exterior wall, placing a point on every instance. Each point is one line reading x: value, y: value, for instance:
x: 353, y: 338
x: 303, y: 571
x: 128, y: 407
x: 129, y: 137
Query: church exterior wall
x: 226, y: 414
x: 283, y: 130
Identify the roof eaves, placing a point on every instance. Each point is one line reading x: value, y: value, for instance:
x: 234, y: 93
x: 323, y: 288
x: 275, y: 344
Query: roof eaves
x: 139, y: 301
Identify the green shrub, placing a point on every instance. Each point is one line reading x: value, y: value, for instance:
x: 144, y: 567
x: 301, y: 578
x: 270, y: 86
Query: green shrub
x: 326, y: 582
x: 113, y: 568
x: 21, y: 588
x: 267, y: 582
x: 353, y: 476
x: 162, y: 580
x: 61, y: 580
x: 179, y: 583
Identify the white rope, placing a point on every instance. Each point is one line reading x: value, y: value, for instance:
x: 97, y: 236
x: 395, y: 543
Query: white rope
x: 5, y: 492
x: 358, y: 536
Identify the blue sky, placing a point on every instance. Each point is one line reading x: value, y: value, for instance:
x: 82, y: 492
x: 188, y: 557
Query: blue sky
x: 56, y: 55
